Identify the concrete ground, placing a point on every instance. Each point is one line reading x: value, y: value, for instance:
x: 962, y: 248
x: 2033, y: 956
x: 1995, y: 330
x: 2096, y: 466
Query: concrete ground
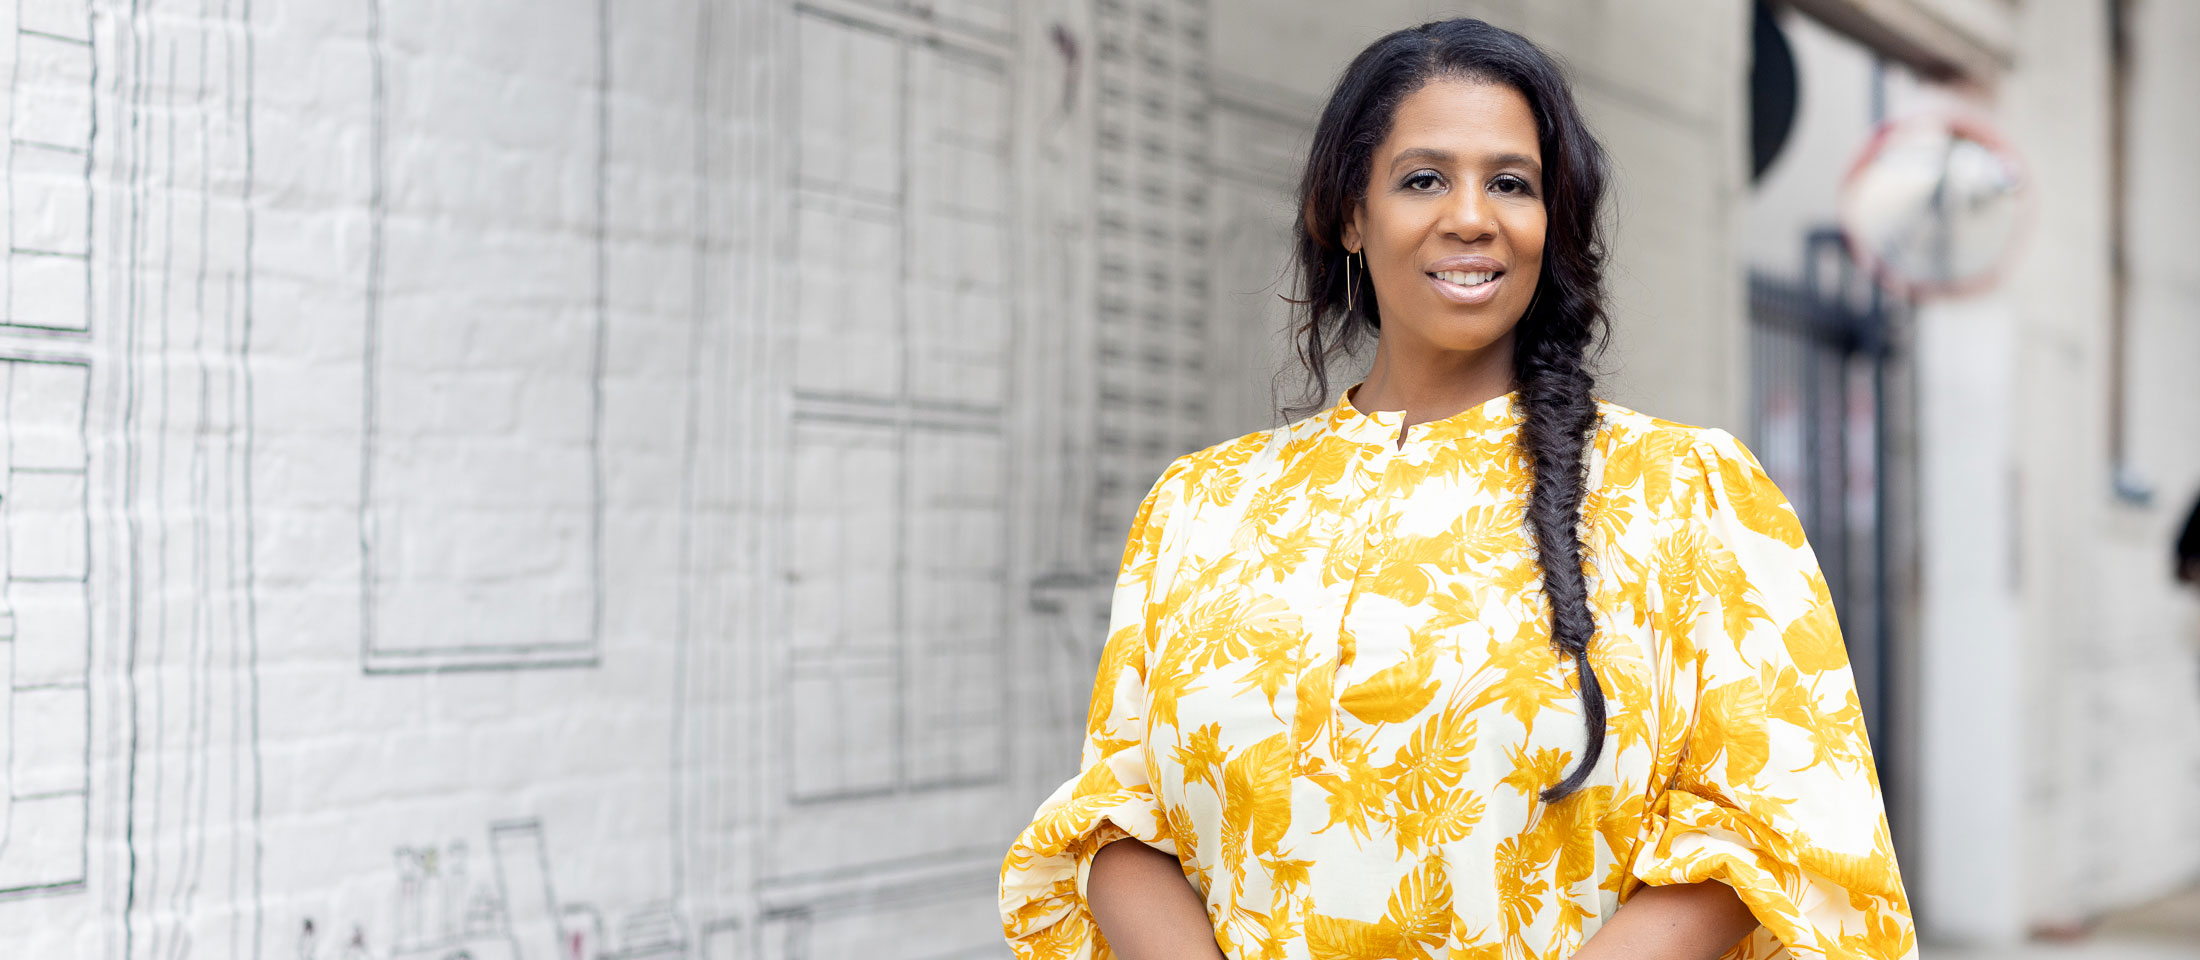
x: 2167, y: 929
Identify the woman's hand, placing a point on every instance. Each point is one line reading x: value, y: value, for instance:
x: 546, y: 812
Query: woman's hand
x: 1692, y: 921
x: 1145, y: 907
x: 1147, y: 910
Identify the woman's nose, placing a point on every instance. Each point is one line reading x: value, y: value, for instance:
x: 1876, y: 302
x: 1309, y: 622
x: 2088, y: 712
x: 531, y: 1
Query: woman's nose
x: 1469, y: 216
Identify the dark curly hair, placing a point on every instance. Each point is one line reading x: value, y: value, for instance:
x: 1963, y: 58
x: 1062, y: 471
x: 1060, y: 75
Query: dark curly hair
x: 1565, y: 321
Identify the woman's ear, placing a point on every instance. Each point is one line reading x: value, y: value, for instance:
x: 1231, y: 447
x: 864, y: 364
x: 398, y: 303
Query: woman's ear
x: 1313, y: 223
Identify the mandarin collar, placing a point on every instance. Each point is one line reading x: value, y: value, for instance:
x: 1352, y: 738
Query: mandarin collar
x: 1380, y: 427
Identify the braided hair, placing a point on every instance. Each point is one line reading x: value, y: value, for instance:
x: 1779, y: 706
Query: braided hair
x: 1565, y: 322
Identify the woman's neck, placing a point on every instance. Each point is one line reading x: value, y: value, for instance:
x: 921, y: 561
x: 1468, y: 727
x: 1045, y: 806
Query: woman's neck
x: 1430, y: 384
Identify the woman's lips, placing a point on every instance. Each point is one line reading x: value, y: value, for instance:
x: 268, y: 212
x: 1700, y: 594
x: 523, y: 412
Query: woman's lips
x: 1467, y: 295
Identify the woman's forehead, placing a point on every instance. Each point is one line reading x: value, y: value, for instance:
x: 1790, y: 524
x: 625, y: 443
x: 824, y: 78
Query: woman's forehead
x: 1460, y: 120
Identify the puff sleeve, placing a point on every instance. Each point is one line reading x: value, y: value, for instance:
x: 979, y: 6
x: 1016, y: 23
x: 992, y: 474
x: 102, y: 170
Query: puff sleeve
x: 1043, y: 908
x: 1771, y: 787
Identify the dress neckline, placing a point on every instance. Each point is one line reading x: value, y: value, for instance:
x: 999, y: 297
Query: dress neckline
x: 1381, y: 427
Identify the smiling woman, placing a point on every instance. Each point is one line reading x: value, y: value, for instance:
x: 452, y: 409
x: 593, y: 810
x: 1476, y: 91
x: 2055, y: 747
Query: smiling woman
x: 1469, y: 664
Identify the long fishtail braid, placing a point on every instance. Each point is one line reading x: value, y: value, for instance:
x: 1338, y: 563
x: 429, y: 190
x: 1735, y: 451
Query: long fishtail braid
x: 1558, y: 418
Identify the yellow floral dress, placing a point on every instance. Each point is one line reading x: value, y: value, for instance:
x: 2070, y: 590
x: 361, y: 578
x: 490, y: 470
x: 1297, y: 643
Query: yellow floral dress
x: 1329, y: 689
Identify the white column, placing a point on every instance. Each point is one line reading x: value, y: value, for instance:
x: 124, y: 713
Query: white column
x: 1966, y: 886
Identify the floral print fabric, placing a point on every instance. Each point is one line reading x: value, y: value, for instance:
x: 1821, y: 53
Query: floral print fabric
x: 1329, y: 690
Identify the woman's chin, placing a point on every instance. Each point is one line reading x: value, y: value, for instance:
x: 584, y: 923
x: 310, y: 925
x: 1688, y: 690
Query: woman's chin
x: 1458, y: 330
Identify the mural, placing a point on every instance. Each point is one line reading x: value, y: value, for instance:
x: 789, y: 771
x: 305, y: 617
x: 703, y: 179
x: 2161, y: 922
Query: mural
x: 469, y: 293
x: 44, y: 603
x: 570, y: 480
x: 508, y: 911
x: 43, y: 612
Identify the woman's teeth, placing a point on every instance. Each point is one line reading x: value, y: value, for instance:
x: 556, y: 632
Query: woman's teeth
x: 1464, y: 278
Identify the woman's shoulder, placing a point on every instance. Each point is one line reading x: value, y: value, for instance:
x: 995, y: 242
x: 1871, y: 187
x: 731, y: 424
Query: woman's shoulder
x: 1227, y: 459
x: 1638, y: 447
x: 1214, y: 472
x: 1625, y: 427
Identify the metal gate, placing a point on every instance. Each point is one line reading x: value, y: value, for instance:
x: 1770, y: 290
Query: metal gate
x: 1819, y: 352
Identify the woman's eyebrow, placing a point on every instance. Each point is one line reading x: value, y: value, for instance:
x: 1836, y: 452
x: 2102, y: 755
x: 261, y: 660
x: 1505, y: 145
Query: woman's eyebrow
x: 1516, y: 160
x: 1421, y: 154
x: 1446, y: 158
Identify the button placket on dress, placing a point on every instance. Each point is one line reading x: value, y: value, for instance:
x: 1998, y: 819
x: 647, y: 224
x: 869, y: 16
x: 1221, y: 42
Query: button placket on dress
x: 1375, y: 515
x: 1358, y: 534
x: 1375, y: 479
x: 1369, y: 515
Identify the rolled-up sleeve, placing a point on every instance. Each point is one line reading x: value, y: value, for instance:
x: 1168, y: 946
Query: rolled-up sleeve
x: 1043, y: 908
x: 1772, y: 790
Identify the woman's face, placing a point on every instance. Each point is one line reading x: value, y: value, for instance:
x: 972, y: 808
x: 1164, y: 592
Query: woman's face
x: 1452, y: 224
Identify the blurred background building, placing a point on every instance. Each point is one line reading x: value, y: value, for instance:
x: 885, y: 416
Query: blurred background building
x: 564, y: 478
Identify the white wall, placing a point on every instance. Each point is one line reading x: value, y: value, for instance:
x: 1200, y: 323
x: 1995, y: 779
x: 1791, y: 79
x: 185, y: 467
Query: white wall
x: 2135, y: 777
x: 485, y: 475
x: 2059, y: 709
x: 496, y: 474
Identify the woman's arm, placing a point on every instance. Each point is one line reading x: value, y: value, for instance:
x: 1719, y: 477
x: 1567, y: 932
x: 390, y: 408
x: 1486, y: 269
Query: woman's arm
x: 1145, y: 907
x: 1689, y: 921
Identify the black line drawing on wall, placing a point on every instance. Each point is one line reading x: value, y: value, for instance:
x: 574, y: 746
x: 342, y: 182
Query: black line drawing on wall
x: 895, y: 576
x: 896, y: 382
x: 895, y: 438
x: 50, y: 126
x: 45, y: 643
x: 1149, y: 402
x: 448, y: 904
x: 1151, y: 104
x: 482, y: 500
x: 737, y: 62
x: 176, y: 802
x: 45, y: 495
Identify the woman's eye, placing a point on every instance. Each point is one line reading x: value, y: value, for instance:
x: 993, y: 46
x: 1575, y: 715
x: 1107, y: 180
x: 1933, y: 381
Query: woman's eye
x: 1424, y: 180
x: 1511, y: 185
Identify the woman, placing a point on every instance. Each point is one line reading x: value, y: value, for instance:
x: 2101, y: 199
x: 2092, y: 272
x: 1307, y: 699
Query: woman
x: 1468, y: 662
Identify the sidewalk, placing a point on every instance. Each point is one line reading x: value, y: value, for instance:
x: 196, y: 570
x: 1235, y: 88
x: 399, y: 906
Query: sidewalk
x: 2167, y: 929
